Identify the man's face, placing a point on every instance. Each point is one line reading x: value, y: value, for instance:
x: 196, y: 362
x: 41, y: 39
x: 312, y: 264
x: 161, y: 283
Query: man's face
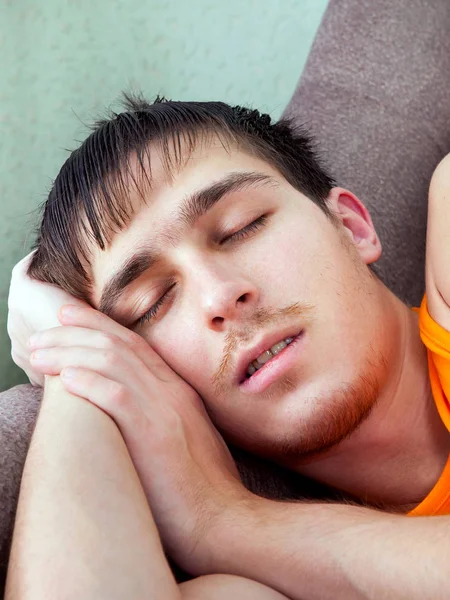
x: 223, y: 296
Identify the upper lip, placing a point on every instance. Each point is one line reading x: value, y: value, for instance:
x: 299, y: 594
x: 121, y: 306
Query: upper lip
x: 266, y: 342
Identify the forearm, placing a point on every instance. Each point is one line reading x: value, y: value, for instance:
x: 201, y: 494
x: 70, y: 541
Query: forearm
x: 438, y: 227
x: 83, y: 526
x: 320, y: 551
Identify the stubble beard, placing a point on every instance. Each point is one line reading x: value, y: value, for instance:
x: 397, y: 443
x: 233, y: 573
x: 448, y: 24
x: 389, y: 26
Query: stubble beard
x: 337, y: 415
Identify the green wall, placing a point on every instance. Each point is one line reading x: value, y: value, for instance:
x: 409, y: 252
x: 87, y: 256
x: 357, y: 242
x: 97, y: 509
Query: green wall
x: 63, y: 61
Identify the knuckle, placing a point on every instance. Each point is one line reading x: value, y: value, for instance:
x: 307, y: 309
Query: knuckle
x: 133, y: 340
x: 110, y: 341
x: 118, y: 395
x: 110, y: 358
x: 18, y: 360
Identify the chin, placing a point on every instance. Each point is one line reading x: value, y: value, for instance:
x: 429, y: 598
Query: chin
x: 308, y: 423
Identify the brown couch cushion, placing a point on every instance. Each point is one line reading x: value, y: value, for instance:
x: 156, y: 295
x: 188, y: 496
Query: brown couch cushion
x: 375, y: 92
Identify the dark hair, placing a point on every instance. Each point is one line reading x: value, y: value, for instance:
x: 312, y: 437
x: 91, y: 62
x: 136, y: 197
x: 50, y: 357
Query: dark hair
x: 88, y: 201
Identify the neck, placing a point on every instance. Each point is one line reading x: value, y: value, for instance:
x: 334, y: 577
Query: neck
x: 398, y: 453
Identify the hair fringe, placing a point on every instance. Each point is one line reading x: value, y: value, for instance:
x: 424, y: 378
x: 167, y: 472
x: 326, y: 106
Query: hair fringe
x: 90, y: 200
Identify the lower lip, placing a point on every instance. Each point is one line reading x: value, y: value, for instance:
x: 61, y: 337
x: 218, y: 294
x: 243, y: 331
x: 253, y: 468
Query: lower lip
x: 274, y: 368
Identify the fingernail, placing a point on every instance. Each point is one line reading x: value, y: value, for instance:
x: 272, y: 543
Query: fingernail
x: 39, y: 355
x: 68, y: 373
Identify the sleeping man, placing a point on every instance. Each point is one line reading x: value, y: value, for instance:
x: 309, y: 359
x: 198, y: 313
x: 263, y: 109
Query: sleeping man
x: 219, y: 289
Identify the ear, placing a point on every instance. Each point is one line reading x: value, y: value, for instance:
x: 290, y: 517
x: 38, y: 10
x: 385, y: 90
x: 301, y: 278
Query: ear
x: 357, y: 223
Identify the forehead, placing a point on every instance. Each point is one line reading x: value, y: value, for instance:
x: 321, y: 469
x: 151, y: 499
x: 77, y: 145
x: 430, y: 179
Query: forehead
x: 153, y: 206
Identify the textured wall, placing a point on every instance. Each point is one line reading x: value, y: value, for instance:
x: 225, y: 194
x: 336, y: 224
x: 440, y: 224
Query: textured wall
x: 63, y: 61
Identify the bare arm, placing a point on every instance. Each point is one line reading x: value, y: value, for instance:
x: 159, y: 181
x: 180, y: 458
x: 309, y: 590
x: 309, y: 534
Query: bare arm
x: 338, y: 552
x: 78, y: 483
x: 437, y: 272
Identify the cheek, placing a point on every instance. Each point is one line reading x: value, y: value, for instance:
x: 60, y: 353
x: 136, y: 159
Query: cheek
x: 184, y: 353
x: 290, y: 265
x: 310, y: 264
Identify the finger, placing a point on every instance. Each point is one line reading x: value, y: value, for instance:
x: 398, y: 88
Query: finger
x: 125, y: 368
x: 67, y: 336
x: 91, y: 318
x: 71, y: 336
x: 23, y: 362
x: 110, y: 396
x: 74, y: 336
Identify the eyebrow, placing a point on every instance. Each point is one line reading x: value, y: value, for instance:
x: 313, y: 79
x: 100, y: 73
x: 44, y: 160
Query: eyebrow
x: 191, y: 209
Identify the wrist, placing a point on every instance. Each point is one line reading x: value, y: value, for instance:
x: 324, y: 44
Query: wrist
x: 258, y: 539
x: 65, y: 408
x: 236, y: 532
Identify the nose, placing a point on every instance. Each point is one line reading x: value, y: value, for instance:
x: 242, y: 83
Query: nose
x: 226, y: 297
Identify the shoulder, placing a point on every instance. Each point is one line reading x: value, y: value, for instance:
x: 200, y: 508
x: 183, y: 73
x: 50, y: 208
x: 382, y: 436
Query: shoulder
x: 437, y: 275
x: 438, y: 307
x: 441, y: 175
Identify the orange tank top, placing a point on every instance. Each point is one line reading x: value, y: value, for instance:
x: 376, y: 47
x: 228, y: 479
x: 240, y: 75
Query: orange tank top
x: 437, y: 342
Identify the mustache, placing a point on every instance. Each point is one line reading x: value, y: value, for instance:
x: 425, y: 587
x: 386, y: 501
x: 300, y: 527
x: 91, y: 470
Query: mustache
x: 263, y: 319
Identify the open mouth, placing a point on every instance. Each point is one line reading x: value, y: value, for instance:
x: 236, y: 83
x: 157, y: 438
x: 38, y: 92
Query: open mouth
x: 267, y: 356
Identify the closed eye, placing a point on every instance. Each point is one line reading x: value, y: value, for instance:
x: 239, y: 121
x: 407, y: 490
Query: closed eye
x: 246, y: 231
x: 241, y: 234
x: 153, y: 310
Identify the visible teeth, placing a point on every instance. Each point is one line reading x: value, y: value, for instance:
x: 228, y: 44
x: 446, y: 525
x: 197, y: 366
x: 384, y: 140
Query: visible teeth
x: 267, y: 355
x: 278, y: 347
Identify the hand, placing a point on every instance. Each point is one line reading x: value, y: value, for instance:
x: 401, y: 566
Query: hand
x: 32, y: 306
x: 185, y: 467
